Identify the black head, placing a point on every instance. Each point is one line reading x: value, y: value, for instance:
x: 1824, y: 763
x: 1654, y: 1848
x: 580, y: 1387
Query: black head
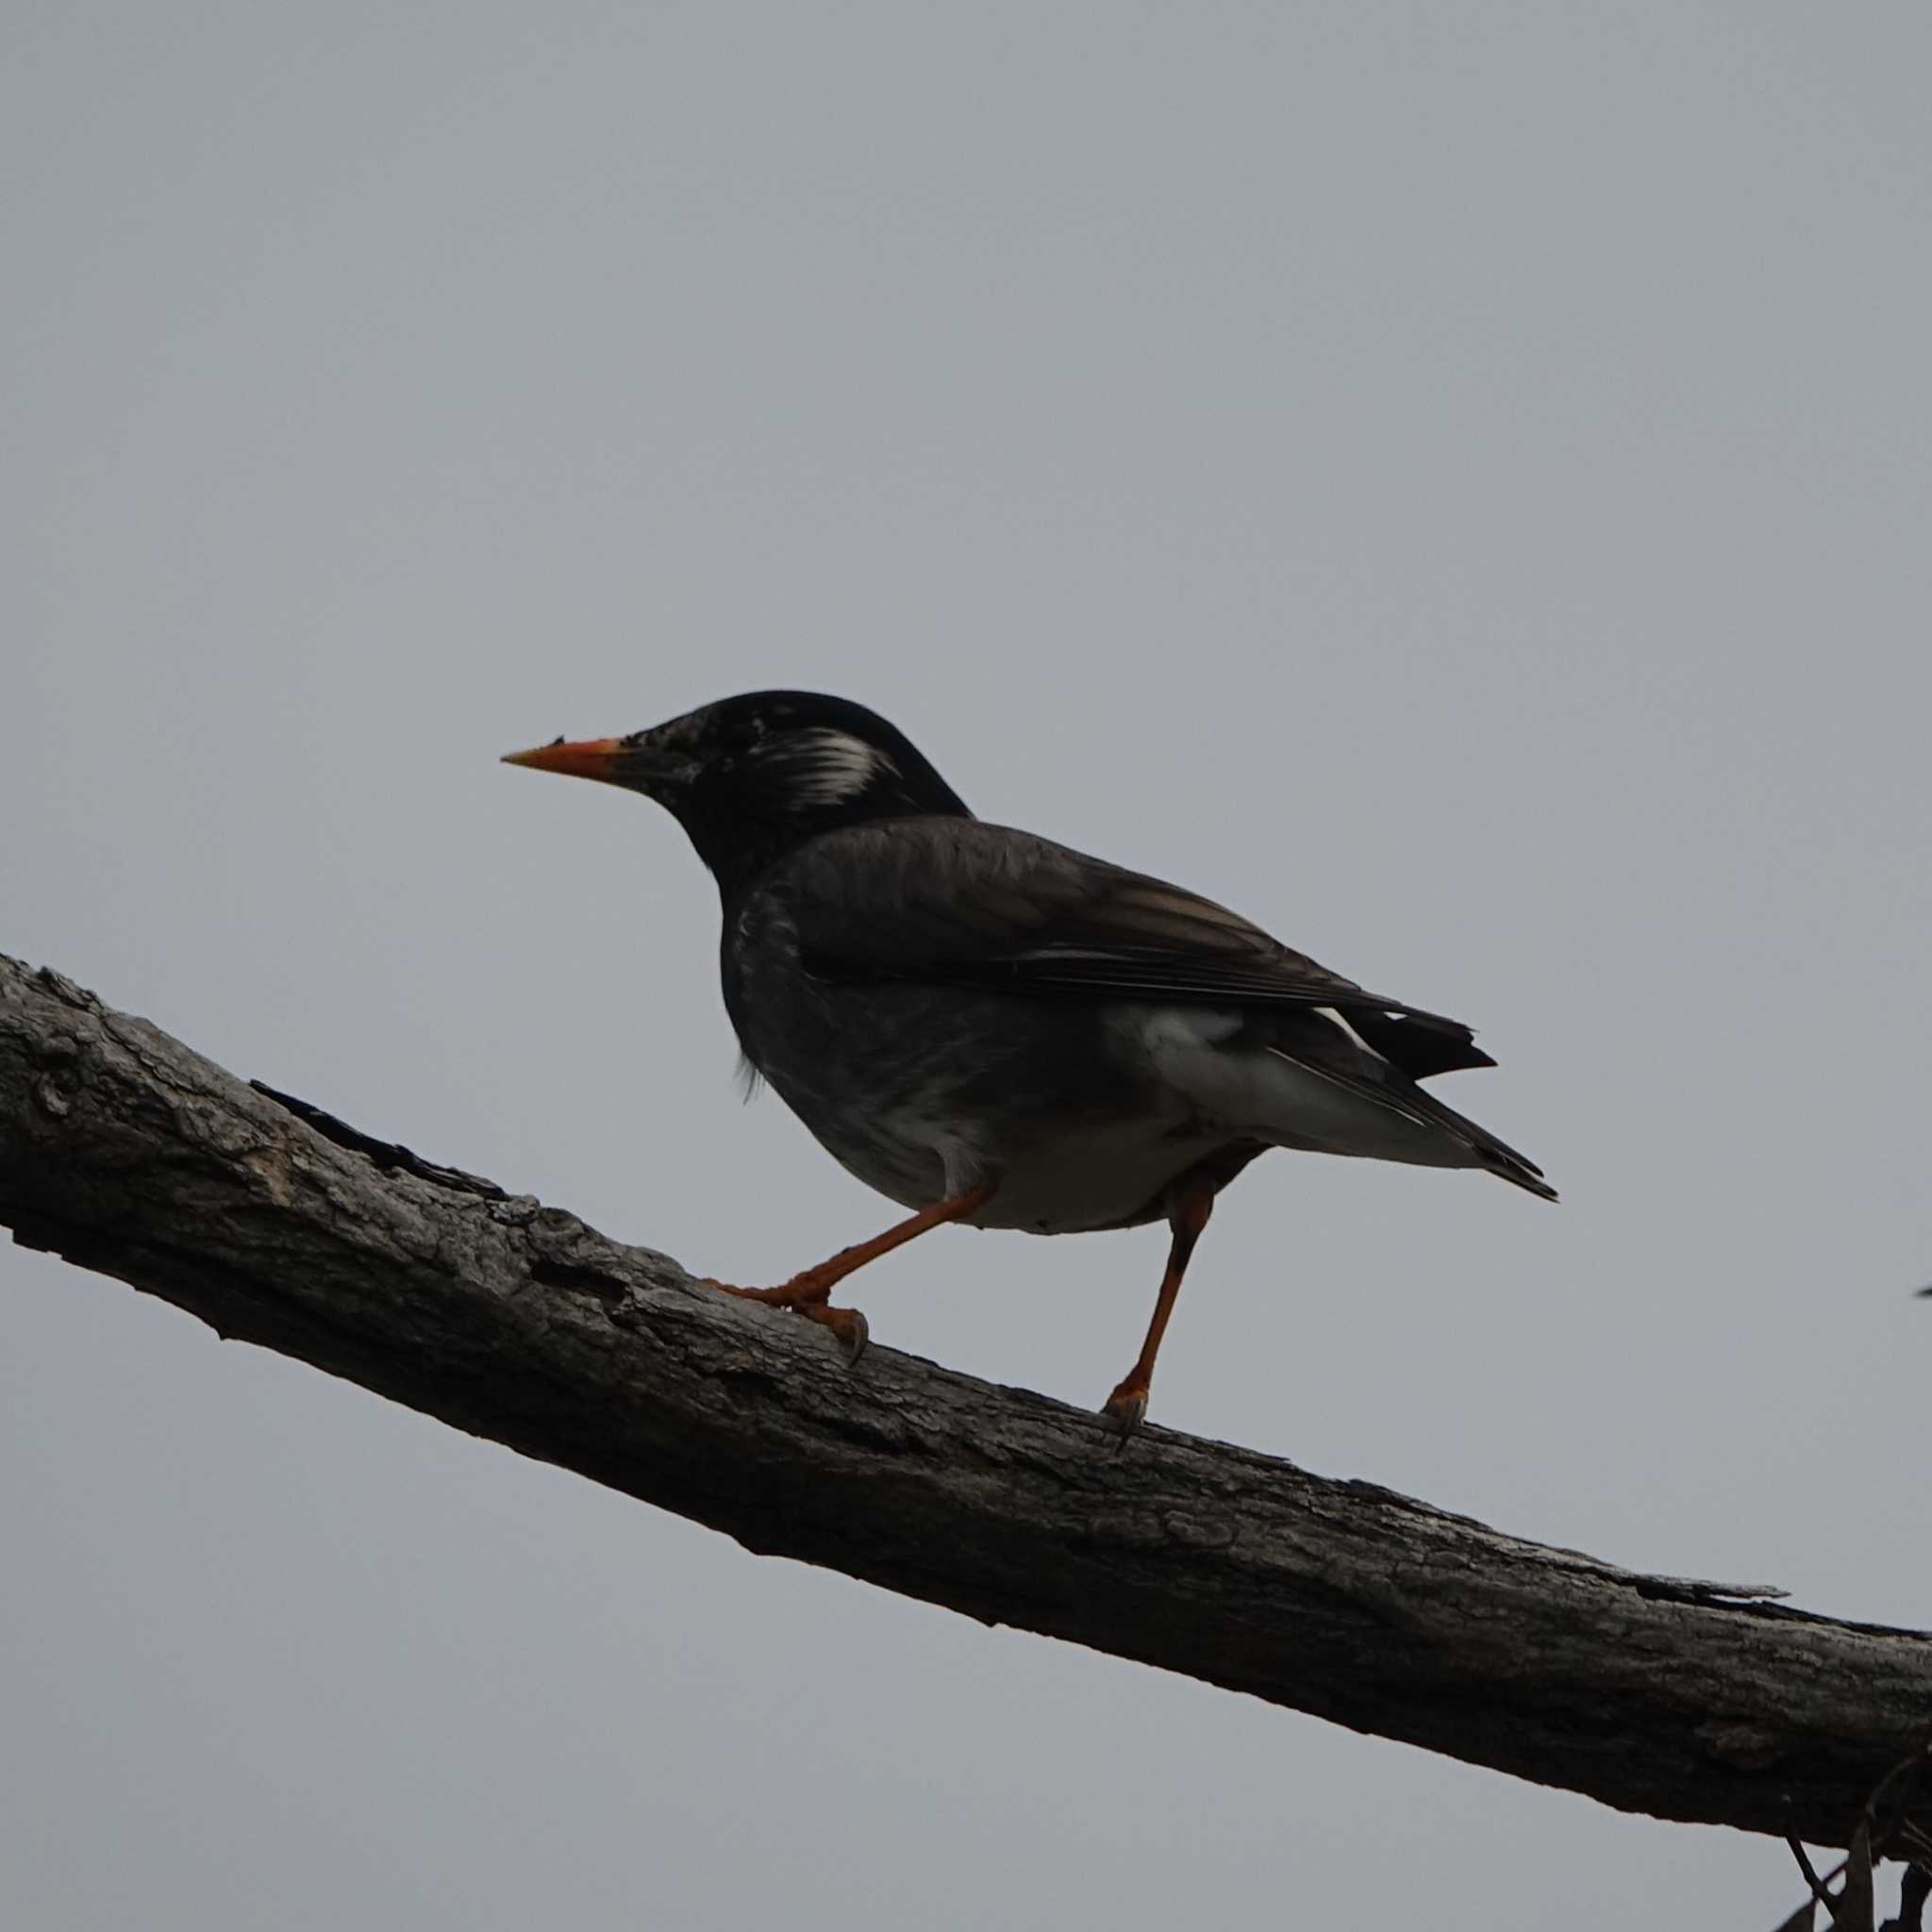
x: 749, y: 777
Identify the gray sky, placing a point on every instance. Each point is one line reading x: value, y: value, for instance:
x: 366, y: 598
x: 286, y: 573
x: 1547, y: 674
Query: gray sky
x: 1453, y: 483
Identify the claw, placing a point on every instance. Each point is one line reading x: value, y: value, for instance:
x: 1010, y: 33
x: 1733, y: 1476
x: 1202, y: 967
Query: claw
x: 1124, y: 1411
x: 849, y: 1329
x: 852, y: 1332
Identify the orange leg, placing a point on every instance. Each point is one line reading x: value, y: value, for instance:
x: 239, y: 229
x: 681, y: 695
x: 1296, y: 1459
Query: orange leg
x: 810, y: 1293
x: 1188, y: 1206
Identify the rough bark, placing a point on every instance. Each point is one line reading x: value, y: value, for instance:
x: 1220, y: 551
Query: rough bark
x: 125, y: 1153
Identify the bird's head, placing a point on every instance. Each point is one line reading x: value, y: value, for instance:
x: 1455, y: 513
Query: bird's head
x: 749, y: 777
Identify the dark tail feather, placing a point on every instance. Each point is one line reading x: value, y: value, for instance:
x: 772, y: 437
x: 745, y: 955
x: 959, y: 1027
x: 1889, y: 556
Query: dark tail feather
x: 1509, y: 1165
x: 1421, y: 1044
x: 1337, y: 1055
x: 1497, y: 1157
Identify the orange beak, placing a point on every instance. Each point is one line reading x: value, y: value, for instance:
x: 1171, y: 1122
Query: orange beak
x: 584, y: 757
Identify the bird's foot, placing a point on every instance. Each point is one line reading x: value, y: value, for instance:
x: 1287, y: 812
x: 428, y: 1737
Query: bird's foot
x: 808, y: 1294
x: 849, y: 1327
x: 1125, y: 1410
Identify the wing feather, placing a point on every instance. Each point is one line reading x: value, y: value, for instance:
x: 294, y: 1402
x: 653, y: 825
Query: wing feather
x: 957, y: 902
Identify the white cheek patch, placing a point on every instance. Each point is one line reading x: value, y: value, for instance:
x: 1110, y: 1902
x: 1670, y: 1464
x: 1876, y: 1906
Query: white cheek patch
x: 833, y: 765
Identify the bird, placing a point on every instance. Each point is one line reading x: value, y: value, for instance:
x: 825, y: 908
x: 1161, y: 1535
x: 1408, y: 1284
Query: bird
x: 994, y: 1029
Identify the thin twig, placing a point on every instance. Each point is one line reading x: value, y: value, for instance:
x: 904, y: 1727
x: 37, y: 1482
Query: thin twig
x: 1816, y: 1884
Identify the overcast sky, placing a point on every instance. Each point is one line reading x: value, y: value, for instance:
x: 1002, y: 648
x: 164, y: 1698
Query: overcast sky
x: 1452, y: 482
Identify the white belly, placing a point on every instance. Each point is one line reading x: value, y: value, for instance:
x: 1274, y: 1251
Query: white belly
x: 1054, y: 1176
x: 1095, y: 1176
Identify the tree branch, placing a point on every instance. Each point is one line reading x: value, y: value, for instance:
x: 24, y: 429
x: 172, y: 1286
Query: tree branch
x: 125, y: 1153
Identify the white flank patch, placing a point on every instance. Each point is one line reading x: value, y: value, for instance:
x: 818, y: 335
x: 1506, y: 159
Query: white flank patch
x: 1268, y: 1095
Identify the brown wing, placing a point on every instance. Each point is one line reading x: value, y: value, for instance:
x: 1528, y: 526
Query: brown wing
x: 958, y: 902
